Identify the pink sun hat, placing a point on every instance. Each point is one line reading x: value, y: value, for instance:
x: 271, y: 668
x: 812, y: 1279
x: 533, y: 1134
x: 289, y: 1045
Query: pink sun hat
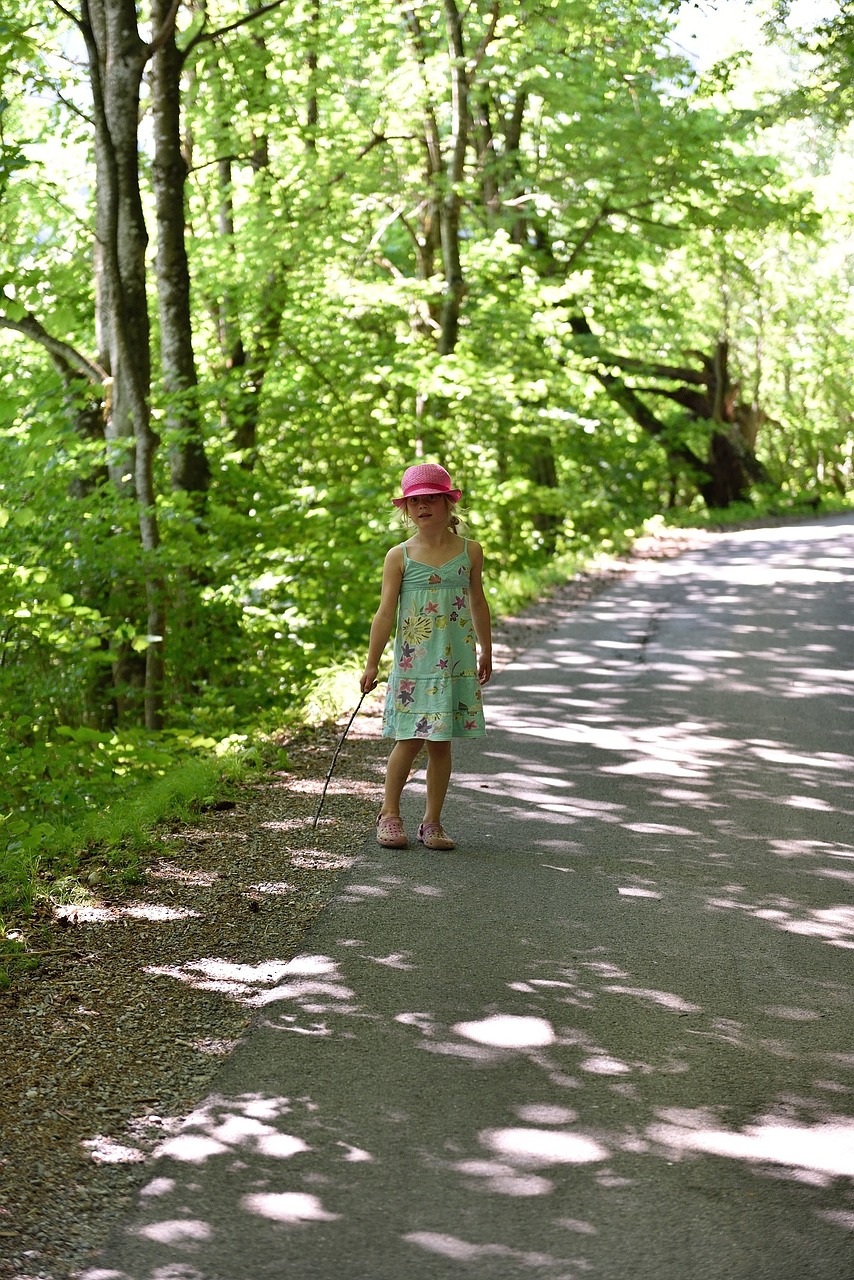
x: 426, y: 477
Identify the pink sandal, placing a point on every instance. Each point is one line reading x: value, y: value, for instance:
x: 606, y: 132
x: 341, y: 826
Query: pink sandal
x: 431, y: 835
x: 390, y: 832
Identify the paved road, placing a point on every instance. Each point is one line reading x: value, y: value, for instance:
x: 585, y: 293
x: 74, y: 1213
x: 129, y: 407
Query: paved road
x: 612, y: 1036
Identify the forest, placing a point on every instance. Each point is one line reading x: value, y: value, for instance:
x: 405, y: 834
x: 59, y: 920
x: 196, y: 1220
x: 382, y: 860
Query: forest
x: 257, y: 258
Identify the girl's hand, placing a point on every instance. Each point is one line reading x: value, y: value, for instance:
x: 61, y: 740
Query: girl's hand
x: 369, y: 679
x: 484, y: 669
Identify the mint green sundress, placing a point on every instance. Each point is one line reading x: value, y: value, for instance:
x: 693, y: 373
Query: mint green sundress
x: 433, y: 690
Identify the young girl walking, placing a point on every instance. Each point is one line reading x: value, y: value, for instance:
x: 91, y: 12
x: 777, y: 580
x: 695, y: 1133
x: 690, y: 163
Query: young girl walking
x: 433, y: 583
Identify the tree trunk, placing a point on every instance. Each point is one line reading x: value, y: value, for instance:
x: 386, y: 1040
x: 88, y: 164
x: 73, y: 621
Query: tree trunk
x: 190, y: 471
x: 730, y: 468
x: 486, y: 148
x: 428, y: 234
x: 453, y: 178
x: 312, y: 113
x: 117, y: 58
x: 248, y: 366
x: 542, y: 468
x: 118, y: 424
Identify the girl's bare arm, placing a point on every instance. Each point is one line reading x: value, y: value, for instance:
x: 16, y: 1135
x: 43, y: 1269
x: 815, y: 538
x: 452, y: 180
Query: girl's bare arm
x: 480, y: 614
x: 381, y: 627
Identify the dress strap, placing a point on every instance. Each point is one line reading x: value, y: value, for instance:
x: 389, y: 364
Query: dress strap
x: 405, y: 556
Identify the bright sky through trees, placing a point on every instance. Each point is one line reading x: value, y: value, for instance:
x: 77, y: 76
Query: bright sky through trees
x: 708, y: 30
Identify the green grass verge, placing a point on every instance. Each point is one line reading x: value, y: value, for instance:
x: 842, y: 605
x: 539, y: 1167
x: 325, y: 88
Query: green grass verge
x: 765, y: 507
x: 56, y: 860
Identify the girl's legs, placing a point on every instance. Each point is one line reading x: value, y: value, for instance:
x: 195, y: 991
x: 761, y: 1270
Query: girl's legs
x: 400, y: 762
x: 438, y: 777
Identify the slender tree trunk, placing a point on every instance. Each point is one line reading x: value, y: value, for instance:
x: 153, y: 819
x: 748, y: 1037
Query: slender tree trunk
x: 312, y: 114
x: 542, y: 468
x: 486, y: 148
x: 247, y: 363
x: 453, y: 180
x: 428, y: 237
x: 512, y: 142
x: 86, y: 409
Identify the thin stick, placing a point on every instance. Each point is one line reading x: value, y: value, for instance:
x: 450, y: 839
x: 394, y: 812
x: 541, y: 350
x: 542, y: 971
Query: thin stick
x: 335, y: 757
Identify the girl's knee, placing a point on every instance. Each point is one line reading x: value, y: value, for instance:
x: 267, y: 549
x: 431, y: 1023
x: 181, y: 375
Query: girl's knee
x: 439, y: 749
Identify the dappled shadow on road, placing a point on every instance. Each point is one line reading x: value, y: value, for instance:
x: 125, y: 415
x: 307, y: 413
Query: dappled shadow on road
x: 611, y: 1034
x: 513, y: 1140
x: 721, y: 755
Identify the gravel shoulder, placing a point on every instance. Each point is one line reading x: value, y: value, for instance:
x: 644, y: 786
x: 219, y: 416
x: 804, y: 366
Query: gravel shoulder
x: 115, y: 1037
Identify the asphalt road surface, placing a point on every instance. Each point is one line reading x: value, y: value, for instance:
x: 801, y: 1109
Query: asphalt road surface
x: 611, y: 1037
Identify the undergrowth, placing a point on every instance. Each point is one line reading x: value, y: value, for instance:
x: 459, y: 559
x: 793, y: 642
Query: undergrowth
x: 51, y: 860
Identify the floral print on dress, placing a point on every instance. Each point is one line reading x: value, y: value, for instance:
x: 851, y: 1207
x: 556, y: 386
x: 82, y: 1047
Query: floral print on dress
x: 406, y: 691
x: 433, y: 691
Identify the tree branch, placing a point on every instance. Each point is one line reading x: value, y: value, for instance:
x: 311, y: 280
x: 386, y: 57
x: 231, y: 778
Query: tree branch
x: 488, y: 36
x: 651, y: 369
x: 32, y: 328
x: 588, y: 342
x: 207, y: 37
x: 587, y: 235
x: 631, y: 403
x: 66, y: 13
x: 696, y: 401
x: 165, y: 31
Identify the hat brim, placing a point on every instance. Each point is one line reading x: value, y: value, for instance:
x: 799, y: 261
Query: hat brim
x: 421, y: 490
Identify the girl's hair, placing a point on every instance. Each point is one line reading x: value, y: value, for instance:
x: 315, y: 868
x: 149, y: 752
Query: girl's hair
x: 456, y: 523
x: 455, y: 520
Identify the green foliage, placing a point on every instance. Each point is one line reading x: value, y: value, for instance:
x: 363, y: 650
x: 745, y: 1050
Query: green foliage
x: 824, y: 46
x: 88, y: 795
x: 91, y: 836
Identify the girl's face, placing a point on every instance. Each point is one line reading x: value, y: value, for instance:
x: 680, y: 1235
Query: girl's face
x: 427, y: 508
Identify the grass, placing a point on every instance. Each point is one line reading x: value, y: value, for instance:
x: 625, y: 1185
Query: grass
x: 49, y: 861
x: 772, y: 506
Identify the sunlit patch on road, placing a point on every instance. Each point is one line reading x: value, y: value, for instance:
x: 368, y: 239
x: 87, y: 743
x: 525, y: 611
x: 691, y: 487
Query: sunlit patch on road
x: 542, y: 1147
x: 507, y: 1031
x: 287, y: 1206
x: 823, y: 1149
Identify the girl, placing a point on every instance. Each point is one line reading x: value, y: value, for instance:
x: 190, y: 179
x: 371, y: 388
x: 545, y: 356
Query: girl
x: 434, y: 583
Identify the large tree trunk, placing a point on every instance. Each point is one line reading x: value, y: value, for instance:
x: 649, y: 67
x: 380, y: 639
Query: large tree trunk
x: 117, y: 57
x: 707, y: 393
x: 118, y: 421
